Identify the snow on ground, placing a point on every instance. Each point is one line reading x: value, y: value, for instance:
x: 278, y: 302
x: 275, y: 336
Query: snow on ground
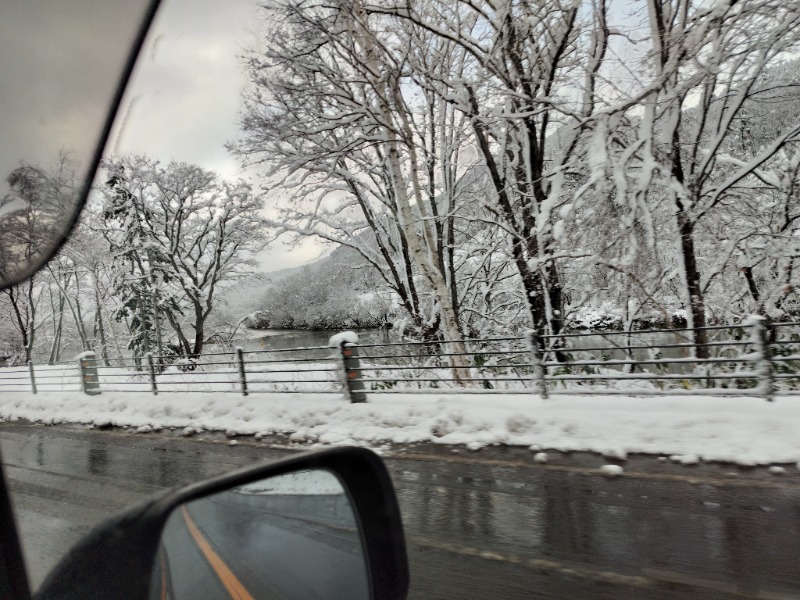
x: 747, y: 431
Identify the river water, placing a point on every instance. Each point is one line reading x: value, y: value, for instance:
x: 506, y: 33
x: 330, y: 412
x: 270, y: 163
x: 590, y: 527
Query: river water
x: 647, y: 346
x: 284, y: 339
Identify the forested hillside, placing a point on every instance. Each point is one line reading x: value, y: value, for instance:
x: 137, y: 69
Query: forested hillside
x: 339, y: 291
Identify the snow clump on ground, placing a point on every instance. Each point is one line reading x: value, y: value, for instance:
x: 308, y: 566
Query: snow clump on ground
x: 611, y: 470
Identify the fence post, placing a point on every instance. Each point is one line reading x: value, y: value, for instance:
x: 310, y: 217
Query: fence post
x: 33, y: 377
x: 240, y: 363
x: 152, y: 370
x: 538, y: 368
x: 87, y: 365
x: 760, y: 332
x: 351, y: 369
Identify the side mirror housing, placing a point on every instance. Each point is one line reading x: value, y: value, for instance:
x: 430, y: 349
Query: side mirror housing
x: 332, y: 512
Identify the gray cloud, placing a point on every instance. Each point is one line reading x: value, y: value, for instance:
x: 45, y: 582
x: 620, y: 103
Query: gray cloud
x: 183, y: 103
x: 60, y: 63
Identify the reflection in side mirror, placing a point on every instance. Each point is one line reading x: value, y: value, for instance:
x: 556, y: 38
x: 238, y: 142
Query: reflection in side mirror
x: 35, y: 215
x: 293, y: 536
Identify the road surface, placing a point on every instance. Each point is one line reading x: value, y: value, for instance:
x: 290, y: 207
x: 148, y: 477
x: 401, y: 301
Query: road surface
x: 478, y: 525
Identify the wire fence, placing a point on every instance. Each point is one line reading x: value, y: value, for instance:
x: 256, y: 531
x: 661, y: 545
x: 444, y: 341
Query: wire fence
x: 753, y: 358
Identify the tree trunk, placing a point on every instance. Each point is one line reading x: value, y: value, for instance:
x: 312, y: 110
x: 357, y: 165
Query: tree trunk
x: 694, y: 290
x: 55, y: 347
x: 79, y: 323
x: 751, y: 284
x: 452, y: 331
x: 21, y: 319
x: 424, y: 257
x: 75, y: 314
x: 31, y: 322
x: 199, y: 326
x: 100, y: 328
x: 112, y: 332
x: 183, y: 343
x: 532, y: 283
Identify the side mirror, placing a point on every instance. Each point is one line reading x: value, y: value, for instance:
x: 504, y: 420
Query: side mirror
x: 315, y: 526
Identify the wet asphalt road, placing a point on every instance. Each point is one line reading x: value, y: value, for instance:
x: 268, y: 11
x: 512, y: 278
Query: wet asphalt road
x: 485, y: 525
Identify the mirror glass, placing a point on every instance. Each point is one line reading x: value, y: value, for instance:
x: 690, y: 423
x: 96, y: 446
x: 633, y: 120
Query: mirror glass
x: 293, y: 536
x: 60, y: 64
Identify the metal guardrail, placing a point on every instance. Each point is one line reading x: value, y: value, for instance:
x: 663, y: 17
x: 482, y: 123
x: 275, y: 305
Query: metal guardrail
x: 754, y: 359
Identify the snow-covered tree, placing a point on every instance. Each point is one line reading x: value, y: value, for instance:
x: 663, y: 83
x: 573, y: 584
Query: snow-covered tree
x: 31, y: 222
x: 333, y: 112
x: 175, y: 233
x: 562, y: 154
x: 706, y: 62
x: 529, y: 88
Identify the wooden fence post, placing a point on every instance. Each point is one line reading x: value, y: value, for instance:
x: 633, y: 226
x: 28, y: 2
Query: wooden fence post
x: 33, y: 377
x: 151, y: 368
x: 538, y: 368
x: 351, y: 369
x: 240, y: 364
x: 87, y: 365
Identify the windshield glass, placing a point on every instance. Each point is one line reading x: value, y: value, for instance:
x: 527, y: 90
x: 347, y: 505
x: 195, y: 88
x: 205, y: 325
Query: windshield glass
x: 542, y: 254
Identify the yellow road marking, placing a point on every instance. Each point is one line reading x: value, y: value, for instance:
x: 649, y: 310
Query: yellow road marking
x: 163, y: 577
x: 225, y: 575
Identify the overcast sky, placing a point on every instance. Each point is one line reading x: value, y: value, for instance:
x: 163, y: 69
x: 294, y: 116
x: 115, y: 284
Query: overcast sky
x: 184, y: 100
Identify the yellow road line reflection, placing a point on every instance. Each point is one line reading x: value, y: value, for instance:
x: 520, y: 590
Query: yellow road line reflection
x: 225, y: 575
x: 164, y: 595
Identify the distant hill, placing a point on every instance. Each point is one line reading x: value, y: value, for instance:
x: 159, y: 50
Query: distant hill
x: 335, y: 291
x: 245, y: 296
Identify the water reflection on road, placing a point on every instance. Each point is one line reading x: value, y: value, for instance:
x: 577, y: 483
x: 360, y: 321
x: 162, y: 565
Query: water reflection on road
x: 745, y: 537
